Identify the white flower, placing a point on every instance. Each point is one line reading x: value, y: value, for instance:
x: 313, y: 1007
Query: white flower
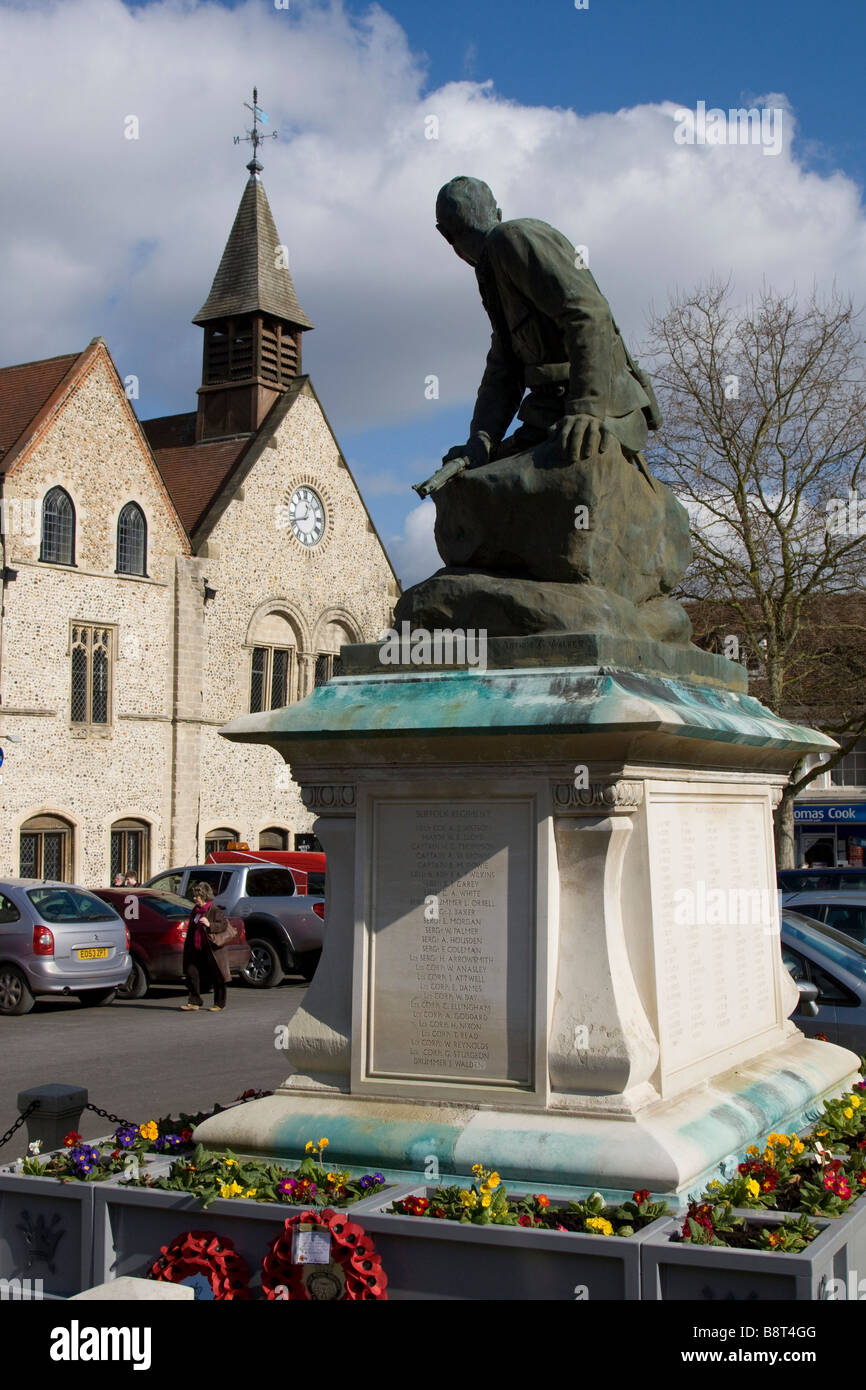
x: 36, y: 1147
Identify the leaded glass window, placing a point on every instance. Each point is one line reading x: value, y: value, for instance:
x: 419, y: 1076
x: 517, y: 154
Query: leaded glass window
x: 270, y: 678
x: 58, y: 528
x: 90, y: 698
x: 131, y: 540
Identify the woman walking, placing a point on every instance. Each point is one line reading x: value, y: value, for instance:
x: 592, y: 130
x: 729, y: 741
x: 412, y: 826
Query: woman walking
x: 205, y: 960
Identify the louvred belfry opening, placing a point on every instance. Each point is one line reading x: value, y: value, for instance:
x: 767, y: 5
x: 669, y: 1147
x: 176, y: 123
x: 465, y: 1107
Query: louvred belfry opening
x: 252, y: 323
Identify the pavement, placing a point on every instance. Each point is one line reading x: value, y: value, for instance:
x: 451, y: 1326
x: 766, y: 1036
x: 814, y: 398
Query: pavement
x: 143, y: 1058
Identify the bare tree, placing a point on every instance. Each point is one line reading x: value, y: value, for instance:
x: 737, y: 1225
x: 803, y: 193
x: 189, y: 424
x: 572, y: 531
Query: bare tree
x: 764, y: 440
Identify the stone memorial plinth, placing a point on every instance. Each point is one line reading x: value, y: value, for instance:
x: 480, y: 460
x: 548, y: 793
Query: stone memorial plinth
x: 552, y: 931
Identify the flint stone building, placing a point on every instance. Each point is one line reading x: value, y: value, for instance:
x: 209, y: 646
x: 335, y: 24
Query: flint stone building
x: 161, y: 577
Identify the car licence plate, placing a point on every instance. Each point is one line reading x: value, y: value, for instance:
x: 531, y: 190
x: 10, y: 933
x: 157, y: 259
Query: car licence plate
x: 93, y: 953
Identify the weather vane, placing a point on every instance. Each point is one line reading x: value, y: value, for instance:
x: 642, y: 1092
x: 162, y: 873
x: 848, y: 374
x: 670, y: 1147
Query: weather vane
x: 255, y: 136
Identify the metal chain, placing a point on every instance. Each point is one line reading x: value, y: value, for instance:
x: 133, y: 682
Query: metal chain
x: 106, y: 1114
x: 34, y: 1104
x: 115, y: 1119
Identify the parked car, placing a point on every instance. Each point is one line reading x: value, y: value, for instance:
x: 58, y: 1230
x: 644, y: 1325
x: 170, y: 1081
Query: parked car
x: 843, y: 909
x: 157, y: 932
x: 830, y: 972
x: 283, y: 926
x: 818, y: 878
x: 56, y: 938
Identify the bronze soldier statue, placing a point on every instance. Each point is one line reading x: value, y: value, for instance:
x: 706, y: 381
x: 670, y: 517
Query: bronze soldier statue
x: 553, y: 335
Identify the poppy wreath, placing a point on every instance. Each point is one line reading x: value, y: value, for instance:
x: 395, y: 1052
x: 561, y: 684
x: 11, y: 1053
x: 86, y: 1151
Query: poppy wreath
x: 204, y: 1253
x: 353, y: 1257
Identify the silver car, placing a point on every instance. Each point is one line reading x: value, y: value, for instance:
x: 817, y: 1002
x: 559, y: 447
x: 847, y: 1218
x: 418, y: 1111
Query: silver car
x: 844, y: 909
x: 58, y: 939
x: 830, y: 973
x: 283, y: 927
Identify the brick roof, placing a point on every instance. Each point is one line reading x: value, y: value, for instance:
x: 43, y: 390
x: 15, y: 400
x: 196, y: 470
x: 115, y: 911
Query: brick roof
x: 249, y: 278
x: 195, y: 473
x: 24, y: 390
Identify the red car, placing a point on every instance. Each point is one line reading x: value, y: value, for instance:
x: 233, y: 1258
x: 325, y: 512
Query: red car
x: 157, y: 924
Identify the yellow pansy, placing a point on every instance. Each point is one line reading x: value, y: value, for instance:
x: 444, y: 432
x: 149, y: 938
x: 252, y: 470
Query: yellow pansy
x: 753, y: 1187
x: 486, y: 1200
x: 478, y: 1167
x: 331, y: 1177
x: 798, y: 1146
x: 821, y: 1133
x: 230, y: 1162
x: 232, y: 1189
x: 149, y: 1131
x: 753, y: 1149
x: 494, y: 1180
x: 848, y: 1113
x: 252, y: 1192
x: 855, y: 1101
x: 323, y: 1143
x: 310, y: 1146
x: 467, y: 1198
x: 598, y: 1223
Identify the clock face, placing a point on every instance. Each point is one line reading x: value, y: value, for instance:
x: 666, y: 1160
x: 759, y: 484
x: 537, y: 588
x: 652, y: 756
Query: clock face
x: 307, y: 515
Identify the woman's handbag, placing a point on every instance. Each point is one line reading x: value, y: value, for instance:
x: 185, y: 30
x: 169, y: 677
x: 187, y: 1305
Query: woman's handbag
x: 223, y: 938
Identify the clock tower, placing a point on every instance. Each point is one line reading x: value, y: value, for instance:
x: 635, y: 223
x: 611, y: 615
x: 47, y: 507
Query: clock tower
x: 252, y: 320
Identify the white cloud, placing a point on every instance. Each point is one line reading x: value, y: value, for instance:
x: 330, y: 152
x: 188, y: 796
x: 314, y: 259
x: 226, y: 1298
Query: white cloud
x: 414, y: 553
x: 122, y: 237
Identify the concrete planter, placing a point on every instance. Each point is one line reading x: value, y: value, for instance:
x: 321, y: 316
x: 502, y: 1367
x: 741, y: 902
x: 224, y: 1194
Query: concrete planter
x: 432, y: 1259
x: 674, y: 1270
x: 130, y: 1224
x: 46, y: 1232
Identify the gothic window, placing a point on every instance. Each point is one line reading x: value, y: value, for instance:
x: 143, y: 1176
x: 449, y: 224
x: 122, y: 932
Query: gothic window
x: 90, y: 701
x: 45, y: 849
x: 131, y: 540
x: 58, y: 528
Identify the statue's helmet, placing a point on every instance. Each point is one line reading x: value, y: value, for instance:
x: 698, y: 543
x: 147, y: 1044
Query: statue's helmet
x: 466, y: 204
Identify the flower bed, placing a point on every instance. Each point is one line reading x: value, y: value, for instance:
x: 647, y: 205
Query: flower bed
x: 132, y: 1224
x: 766, y: 1257
x: 208, y: 1176
x: 449, y: 1243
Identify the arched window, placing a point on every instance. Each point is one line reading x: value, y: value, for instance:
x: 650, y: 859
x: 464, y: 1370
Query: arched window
x: 273, y: 668
x: 130, y: 849
x: 131, y: 540
x: 58, y: 528
x: 332, y: 637
x: 219, y: 839
x: 273, y: 838
x: 45, y: 848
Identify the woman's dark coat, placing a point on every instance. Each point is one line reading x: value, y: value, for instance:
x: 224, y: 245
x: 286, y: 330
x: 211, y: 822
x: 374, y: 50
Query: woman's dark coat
x: 216, y: 958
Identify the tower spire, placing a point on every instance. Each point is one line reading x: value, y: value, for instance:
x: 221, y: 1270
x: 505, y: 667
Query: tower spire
x: 254, y: 136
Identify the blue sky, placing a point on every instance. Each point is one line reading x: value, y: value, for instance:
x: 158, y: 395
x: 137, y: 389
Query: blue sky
x: 568, y: 114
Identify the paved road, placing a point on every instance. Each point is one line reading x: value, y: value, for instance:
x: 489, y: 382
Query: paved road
x: 143, y: 1058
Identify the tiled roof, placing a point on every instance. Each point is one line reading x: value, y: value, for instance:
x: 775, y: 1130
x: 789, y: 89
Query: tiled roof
x: 24, y: 390
x: 170, y: 431
x: 194, y: 473
x: 249, y: 277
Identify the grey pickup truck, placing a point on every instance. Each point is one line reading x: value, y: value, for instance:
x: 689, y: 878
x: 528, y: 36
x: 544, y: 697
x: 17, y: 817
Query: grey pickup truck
x: 283, y: 927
